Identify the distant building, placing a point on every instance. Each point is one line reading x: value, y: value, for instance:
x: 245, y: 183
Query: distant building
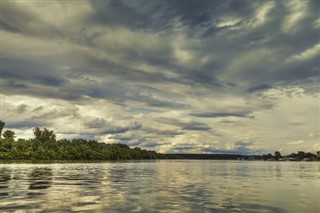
x: 318, y: 153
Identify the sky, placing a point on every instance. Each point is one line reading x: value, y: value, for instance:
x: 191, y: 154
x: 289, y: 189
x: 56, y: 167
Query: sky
x: 174, y: 76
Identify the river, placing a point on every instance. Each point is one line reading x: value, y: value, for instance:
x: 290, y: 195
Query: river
x: 161, y: 186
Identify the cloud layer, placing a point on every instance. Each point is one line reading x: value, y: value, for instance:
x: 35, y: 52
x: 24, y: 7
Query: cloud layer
x: 173, y: 76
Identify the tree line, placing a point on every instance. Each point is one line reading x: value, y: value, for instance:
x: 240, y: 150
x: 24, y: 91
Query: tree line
x: 44, y: 146
x: 300, y: 156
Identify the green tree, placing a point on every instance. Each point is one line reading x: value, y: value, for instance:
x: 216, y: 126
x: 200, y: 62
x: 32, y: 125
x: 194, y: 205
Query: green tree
x: 42, y: 148
x: 2, y: 124
x: 301, y: 155
x: 277, y: 155
x: 269, y: 156
x: 44, y: 135
x: 8, y: 134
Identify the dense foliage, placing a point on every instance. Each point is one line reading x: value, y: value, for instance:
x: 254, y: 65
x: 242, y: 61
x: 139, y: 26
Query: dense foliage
x: 306, y: 156
x: 45, y: 147
x: 76, y: 149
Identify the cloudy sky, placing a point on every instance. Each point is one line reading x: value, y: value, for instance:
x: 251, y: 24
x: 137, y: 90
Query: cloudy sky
x: 169, y: 75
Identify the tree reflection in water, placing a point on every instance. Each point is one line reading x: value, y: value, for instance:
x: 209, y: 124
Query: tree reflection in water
x: 40, y: 178
x: 5, y: 177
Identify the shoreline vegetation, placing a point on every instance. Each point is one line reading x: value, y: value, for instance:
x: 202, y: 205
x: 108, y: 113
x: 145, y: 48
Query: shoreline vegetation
x: 44, y: 147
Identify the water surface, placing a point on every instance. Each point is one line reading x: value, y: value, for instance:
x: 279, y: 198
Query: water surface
x: 161, y: 186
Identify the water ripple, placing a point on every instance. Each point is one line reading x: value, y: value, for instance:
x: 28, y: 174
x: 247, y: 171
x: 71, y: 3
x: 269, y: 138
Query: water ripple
x: 161, y: 186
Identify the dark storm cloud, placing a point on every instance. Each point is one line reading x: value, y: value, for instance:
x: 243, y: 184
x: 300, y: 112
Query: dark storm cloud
x: 151, y: 144
x: 163, y: 59
x: 146, y: 137
x: 182, y: 148
x: 16, y: 18
x: 115, y: 130
x: 204, y: 78
x: 25, y: 124
x: 115, y: 12
x: 32, y: 72
x: 268, y: 69
x: 170, y: 133
x: 121, y: 138
x: 50, y: 81
x: 101, y: 126
x: 25, y: 88
x: 21, y: 108
x: 196, y: 126
x: 13, y: 22
x: 118, y: 90
x: 188, y: 13
x: 186, y: 125
x: 121, y: 91
x: 259, y: 88
x: 161, y: 103
x: 201, y: 17
x: 94, y: 128
x: 198, y: 17
x: 150, y: 15
x: 37, y: 109
x: 95, y: 123
x: 14, y: 85
x: 293, y: 71
x: 8, y: 27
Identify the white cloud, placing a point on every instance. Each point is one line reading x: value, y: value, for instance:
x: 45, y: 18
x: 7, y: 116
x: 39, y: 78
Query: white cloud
x: 295, y: 142
x: 306, y: 55
x: 277, y: 125
x: 296, y: 12
x: 262, y: 14
x: 316, y: 23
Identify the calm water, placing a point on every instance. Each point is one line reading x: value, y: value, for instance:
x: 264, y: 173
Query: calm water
x: 161, y: 186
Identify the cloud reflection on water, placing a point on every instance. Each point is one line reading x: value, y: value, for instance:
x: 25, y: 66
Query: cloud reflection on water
x: 161, y: 186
